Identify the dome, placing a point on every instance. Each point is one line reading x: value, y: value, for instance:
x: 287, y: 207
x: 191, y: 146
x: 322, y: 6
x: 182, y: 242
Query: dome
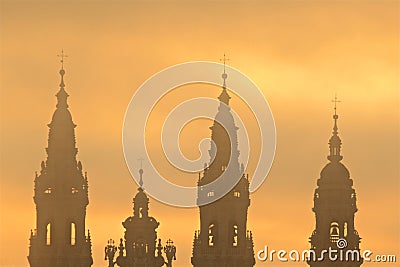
x: 62, y: 116
x: 141, y: 197
x: 335, y: 170
x: 335, y: 175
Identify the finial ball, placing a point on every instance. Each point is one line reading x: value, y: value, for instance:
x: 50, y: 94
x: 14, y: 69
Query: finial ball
x: 335, y: 117
x: 62, y: 72
x: 224, y: 75
x: 141, y: 171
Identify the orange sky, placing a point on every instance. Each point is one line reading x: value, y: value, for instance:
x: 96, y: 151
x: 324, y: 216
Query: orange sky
x: 298, y: 52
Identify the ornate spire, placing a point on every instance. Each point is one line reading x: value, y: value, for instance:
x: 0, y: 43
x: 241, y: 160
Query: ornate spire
x: 224, y: 136
x: 224, y: 97
x: 334, y: 142
x: 62, y: 94
x: 61, y: 142
x: 61, y: 195
x: 141, y: 201
x: 141, y: 173
x: 62, y: 72
x: 141, y: 178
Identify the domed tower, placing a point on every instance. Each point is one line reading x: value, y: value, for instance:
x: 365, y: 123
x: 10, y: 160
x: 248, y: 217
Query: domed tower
x: 140, y: 235
x: 334, y: 208
x: 61, y: 197
x: 223, y: 239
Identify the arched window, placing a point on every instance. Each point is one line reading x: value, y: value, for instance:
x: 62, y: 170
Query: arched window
x: 235, y: 235
x: 345, y: 229
x: 236, y: 193
x: 334, y: 232
x: 211, y: 235
x: 73, y: 234
x: 140, y: 212
x: 48, y: 190
x: 48, y: 234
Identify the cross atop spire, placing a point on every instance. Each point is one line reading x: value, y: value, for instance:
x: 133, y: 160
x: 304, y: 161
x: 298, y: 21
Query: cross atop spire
x: 224, y: 97
x: 335, y: 142
x: 335, y: 101
x: 225, y: 59
x: 335, y: 116
x: 62, y: 95
x: 62, y: 71
x: 62, y: 56
x: 224, y: 75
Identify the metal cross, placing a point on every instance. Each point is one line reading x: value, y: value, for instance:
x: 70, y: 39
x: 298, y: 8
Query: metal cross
x: 336, y: 101
x: 224, y: 60
x: 62, y: 56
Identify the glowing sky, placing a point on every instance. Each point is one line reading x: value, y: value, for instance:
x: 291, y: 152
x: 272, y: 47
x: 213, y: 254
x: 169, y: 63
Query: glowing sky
x: 300, y: 53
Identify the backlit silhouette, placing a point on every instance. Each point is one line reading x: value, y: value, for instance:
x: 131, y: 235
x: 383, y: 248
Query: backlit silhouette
x: 138, y: 248
x: 334, y: 208
x: 223, y: 239
x: 61, y: 197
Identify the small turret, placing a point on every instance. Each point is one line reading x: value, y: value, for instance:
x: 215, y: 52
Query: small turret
x: 334, y: 142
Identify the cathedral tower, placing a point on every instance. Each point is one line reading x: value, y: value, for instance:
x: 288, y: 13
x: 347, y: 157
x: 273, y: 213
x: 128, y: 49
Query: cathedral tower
x: 61, y: 197
x: 141, y: 247
x: 223, y: 239
x: 334, y: 208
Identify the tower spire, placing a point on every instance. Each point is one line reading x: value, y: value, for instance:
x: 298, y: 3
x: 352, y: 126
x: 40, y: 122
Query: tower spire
x: 224, y: 97
x: 223, y: 220
x: 61, y: 196
x: 335, y: 116
x: 141, y: 173
x: 334, y: 208
x: 62, y: 94
x: 334, y: 142
x: 224, y: 75
x: 62, y: 71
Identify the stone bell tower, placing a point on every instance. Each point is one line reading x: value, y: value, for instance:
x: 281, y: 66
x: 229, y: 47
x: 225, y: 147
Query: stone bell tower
x: 223, y: 239
x: 61, y: 197
x: 334, y: 208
